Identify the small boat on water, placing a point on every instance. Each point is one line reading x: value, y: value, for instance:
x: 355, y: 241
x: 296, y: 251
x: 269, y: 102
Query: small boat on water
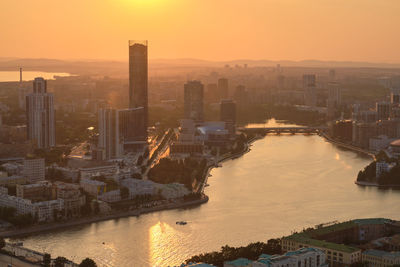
x: 181, y: 222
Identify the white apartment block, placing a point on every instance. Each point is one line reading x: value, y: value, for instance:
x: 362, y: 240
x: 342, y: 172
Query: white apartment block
x: 107, y: 171
x: 44, y: 210
x: 34, y: 170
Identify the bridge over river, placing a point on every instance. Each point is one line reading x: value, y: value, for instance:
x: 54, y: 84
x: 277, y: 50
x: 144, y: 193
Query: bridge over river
x: 291, y: 130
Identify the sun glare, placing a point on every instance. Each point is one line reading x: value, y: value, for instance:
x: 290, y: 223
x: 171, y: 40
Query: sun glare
x: 144, y: 3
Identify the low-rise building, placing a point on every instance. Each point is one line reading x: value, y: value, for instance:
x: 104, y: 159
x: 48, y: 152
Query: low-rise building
x: 43, y: 211
x: 335, y: 253
x: 241, y: 262
x: 138, y: 187
x: 36, y: 191
x: 380, y: 258
x: 93, y: 187
x: 111, y: 196
x: 305, y: 257
x: 13, y: 180
x: 72, y: 197
x: 102, y: 170
x: 67, y: 173
x: 383, y: 167
x: 173, y: 190
x: 12, y: 168
x: 379, y: 143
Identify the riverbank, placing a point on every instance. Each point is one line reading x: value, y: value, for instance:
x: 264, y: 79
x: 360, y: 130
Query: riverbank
x: 225, y: 158
x: 377, y: 185
x: 82, y: 221
x: 348, y: 146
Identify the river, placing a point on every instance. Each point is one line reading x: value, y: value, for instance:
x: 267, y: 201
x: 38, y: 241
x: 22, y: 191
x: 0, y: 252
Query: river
x: 13, y: 76
x: 284, y: 183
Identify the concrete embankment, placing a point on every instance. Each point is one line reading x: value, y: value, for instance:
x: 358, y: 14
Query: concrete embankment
x: 348, y: 146
x: 82, y: 221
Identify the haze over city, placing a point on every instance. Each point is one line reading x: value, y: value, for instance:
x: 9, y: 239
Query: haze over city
x: 340, y: 30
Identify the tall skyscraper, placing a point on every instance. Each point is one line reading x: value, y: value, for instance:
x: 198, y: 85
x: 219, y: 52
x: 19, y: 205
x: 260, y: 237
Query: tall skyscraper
x: 40, y: 115
x: 228, y: 114
x: 138, y: 78
x: 132, y: 131
x: 383, y: 110
x: 241, y: 96
x: 395, y: 90
x: 332, y: 75
x: 223, y: 88
x: 334, y: 98
x: 212, y: 93
x: 193, y: 97
x: 310, y: 91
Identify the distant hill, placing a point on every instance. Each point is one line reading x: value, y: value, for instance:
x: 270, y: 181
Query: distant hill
x: 109, y: 67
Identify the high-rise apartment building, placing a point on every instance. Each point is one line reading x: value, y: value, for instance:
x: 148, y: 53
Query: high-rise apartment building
x: 34, y: 169
x: 223, y: 88
x: 138, y: 77
x: 40, y: 115
x: 383, y: 110
x: 22, y: 92
x: 241, y: 96
x: 109, y: 134
x: 212, y: 94
x: 120, y: 130
x: 193, y: 98
x: 310, y: 90
x: 395, y: 90
x: 228, y: 114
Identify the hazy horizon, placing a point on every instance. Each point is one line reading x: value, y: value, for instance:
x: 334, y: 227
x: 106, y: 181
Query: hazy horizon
x: 356, y: 31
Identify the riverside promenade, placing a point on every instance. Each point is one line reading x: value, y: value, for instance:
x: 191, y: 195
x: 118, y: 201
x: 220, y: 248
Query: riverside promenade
x: 88, y: 220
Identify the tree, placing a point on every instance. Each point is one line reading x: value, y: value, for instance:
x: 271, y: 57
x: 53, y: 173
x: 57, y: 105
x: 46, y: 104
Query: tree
x: 88, y: 263
x: 59, y: 262
x: 46, y: 260
x: 2, y: 243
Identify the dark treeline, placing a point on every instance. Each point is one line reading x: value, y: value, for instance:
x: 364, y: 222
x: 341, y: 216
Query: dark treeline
x: 368, y: 174
x: 177, y: 171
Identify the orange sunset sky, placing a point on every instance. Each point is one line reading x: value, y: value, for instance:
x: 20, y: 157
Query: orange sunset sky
x: 354, y: 30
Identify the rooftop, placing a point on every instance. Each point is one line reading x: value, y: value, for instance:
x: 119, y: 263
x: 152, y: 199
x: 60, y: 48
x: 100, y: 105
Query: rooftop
x: 303, y: 238
x: 395, y: 143
x: 381, y: 253
x: 372, y: 221
x: 239, y: 262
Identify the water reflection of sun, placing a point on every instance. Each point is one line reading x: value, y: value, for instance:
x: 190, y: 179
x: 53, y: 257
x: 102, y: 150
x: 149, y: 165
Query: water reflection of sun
x: 161, y: 242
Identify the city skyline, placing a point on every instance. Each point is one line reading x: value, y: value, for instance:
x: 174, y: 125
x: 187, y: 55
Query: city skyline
x: 162, y: 150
